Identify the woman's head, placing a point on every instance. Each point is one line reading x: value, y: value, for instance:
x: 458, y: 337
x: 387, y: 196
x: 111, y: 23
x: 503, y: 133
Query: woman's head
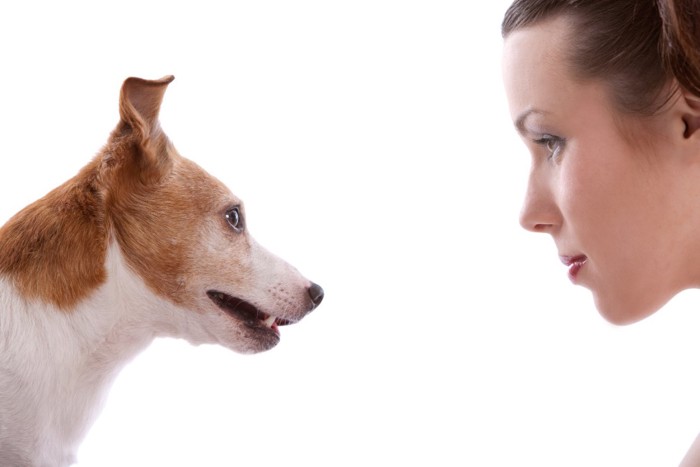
x: 636, y: 46
x: 615, y: 141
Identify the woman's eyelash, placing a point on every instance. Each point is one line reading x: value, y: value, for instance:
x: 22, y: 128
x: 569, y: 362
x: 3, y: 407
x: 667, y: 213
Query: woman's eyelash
x: 553, y: 145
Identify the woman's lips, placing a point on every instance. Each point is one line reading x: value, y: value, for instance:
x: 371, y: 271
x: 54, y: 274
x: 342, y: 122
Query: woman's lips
x: 574, y: 263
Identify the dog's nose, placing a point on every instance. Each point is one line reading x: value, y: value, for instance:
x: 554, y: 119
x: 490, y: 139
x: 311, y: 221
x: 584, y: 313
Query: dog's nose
x: 316, y: 294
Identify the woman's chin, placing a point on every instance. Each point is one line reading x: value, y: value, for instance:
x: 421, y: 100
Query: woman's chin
x: 622, y: 311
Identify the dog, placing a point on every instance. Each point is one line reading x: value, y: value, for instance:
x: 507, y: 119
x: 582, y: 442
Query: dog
x: 141, y: 243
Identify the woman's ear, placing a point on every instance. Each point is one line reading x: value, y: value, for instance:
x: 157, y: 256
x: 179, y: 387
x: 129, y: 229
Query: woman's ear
x: 691, y: 116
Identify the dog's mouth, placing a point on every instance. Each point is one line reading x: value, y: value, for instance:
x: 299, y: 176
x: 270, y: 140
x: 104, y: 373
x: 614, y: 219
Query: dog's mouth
x: 247, y: 312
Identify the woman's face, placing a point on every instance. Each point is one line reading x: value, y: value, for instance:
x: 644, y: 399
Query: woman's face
x: 615, y: 192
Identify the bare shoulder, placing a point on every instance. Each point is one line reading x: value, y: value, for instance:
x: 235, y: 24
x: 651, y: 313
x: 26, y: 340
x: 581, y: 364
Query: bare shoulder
x: 692, y: 459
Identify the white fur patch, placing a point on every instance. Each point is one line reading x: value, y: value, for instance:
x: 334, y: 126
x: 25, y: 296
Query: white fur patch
x: 56, y: 367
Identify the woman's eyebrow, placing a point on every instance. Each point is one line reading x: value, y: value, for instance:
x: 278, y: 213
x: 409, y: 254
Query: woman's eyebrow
x: 520, y: 121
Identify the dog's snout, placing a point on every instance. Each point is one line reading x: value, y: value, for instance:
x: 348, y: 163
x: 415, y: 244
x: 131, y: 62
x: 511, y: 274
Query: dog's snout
x: 316, y: 294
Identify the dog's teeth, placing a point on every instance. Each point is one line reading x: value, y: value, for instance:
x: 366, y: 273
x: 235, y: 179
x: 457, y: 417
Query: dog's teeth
x: 269, y: 321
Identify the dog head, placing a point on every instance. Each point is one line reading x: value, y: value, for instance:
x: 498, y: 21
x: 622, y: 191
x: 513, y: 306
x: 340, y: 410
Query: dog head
x: 185, y: 234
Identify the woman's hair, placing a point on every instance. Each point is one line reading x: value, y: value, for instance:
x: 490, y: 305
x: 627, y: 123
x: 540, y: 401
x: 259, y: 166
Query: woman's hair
x: 637, y: 46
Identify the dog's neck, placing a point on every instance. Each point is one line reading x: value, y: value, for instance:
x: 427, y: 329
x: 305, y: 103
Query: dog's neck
x: 57, y: 366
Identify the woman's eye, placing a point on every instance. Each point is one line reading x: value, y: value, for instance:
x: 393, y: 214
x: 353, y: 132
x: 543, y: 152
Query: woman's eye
x: 553, y: 145
x: 233, y: 217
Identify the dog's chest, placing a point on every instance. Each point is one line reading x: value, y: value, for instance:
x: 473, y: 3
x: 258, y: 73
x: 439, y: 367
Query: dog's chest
x: 55, y: 371
x: 43, y: 403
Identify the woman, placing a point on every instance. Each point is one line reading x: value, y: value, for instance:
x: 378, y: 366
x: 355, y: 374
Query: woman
x: 606, y: 95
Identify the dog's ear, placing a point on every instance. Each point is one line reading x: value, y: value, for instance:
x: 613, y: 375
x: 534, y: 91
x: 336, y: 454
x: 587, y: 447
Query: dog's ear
x: 139, y: 103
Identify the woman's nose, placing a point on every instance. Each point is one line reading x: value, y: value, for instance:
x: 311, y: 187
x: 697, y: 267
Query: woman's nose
x: 539, y: 212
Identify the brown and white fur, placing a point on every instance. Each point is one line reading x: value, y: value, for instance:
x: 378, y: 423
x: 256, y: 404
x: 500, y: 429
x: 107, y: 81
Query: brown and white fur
x: 141, y: 243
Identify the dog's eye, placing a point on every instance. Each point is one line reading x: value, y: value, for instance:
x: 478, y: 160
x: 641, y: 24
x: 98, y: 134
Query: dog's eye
x: 233, y: 217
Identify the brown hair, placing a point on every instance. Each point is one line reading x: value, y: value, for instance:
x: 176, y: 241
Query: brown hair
x: 637, y: 46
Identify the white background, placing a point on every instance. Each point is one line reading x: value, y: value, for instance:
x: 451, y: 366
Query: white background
x: 371, y: 142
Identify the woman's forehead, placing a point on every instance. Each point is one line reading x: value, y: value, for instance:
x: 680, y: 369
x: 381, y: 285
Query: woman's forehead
x: 534, y: 65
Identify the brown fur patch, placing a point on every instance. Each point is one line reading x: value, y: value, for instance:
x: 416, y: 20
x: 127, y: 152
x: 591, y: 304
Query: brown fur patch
x: 158, y: 226
x: 54, y: 249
